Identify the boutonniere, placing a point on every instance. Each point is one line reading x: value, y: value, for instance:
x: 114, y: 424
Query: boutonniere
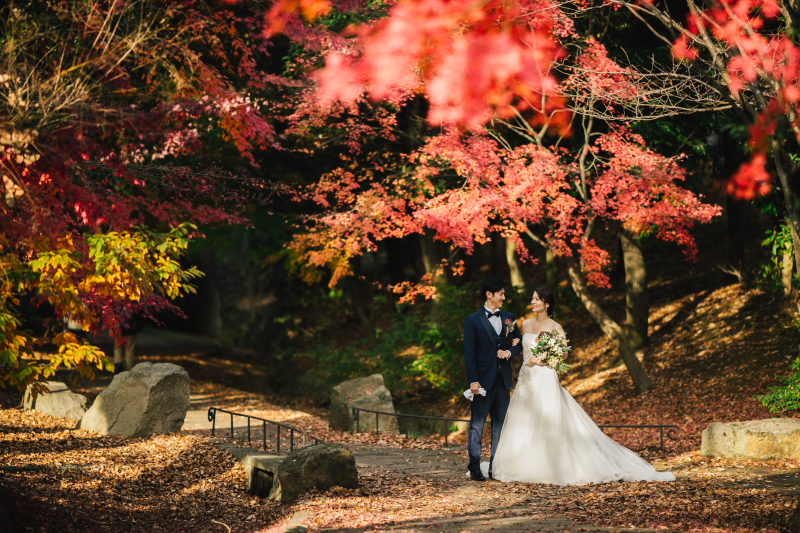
x: 510, y: 325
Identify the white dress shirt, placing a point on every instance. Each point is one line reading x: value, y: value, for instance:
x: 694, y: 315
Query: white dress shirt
x: 495, y: 321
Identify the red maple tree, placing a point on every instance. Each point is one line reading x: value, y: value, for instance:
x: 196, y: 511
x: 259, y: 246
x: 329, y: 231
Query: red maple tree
x: 467, y: 188
x: 110, y: 114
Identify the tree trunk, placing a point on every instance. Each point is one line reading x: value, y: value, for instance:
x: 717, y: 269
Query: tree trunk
x: 612, y: 330
x: 493, y: 261
x: 357, y: 298
x: 790, y: 199
x: 787, y: 269
x: 796, y: 245
x: 636, y: 308
x: 514, y: 268
x: 432, y: 259
x: 398, y: 258
x: 551, y: 267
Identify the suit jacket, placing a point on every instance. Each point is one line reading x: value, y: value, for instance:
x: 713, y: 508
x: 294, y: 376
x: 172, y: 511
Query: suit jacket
x: 480, y: 349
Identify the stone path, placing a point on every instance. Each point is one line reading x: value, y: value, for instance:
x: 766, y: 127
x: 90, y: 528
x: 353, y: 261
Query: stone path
x: 434, y: 463
x: 197, y: 416
x: 484, y: 515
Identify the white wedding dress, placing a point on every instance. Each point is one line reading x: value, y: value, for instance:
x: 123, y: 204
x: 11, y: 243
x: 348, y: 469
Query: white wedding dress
x: 548, y: 438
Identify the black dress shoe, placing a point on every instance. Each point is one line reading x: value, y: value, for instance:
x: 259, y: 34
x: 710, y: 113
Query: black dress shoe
x: 490, y: 474
x: 476, y: 475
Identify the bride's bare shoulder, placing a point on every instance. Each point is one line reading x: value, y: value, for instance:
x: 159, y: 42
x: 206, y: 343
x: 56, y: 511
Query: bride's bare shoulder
x: 557, y: 327
x: 526, y: 326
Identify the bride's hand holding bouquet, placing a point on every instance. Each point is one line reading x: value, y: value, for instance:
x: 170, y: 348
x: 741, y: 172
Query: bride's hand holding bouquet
x: 550, y: 349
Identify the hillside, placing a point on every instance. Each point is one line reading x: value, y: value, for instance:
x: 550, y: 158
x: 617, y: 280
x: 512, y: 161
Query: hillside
x: 713, y: 346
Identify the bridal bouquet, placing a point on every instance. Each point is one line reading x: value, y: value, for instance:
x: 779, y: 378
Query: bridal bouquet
x: 551, y: 348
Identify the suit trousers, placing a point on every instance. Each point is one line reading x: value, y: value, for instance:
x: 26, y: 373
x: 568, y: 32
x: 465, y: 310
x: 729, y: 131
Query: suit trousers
x: 495, y: 403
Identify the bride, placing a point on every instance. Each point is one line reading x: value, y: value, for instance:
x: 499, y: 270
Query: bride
x: 547, y: 437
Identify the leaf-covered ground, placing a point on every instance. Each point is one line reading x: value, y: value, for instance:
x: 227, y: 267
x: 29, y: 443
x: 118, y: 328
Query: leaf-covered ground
x: 387, y: 502
x: 712, y: 348
x: 59, y: 479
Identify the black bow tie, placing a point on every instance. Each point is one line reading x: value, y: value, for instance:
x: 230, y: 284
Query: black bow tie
x: 489, y: 315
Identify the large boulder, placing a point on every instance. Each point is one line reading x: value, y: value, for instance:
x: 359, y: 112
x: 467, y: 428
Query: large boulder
x: 319, y: 466
x: 762, y: 440
x: 366, y: 393
x: 147, y: 400
x: 59, y: 402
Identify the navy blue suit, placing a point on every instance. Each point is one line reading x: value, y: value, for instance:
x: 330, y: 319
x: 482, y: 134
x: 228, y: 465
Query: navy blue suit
x: 481, y: 343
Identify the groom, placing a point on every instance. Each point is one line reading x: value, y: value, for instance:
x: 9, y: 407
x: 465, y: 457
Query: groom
x: 487, y: 356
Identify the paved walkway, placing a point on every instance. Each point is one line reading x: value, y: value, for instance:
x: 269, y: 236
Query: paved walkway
x: 445, y: 464
x: 484, y: 514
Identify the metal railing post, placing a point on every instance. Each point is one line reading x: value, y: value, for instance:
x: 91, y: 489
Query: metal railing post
x: 672, y: 432
x: 212, y: 417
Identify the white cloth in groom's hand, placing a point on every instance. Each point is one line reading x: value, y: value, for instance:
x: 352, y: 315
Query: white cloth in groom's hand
x: 469, y: 395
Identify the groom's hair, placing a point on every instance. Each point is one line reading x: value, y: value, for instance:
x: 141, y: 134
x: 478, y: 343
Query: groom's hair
x: 490, y: 284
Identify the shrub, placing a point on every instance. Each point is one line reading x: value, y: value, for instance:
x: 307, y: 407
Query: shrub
x: 784, y: 398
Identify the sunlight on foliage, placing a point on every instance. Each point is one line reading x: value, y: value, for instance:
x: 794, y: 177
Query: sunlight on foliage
x: 784, y: 398
x: 117, y: 267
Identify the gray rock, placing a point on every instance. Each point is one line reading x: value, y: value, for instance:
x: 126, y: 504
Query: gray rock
x: 147, y: 400
x: 367, y: 393
x: 261, y: 469
x: 320, y: 466
x: 762, y: 440
x: 240, y: 453
x: 59, y: 402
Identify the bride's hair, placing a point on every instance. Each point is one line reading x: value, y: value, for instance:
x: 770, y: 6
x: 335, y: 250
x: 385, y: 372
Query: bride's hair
x: 548, y: 297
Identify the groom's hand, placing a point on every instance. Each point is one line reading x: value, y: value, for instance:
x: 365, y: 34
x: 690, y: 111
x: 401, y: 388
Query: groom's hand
x: 475, y: 387
x: 503, y: 354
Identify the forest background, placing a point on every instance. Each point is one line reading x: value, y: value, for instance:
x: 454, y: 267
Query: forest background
x: 334, y: 230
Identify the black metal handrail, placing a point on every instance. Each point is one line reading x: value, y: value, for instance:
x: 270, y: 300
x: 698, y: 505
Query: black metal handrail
x: 673, y: 432
x: 212, y: 417
x: 357, y: 417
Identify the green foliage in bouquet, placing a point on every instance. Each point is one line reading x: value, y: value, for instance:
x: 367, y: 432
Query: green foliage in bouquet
x: 552, y: 349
